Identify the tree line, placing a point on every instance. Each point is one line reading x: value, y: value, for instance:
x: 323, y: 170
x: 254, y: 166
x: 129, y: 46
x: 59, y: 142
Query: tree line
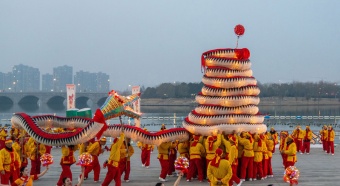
x: 308, y: 90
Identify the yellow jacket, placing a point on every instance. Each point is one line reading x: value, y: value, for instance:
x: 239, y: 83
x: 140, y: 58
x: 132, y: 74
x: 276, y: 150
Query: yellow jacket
x: 226, y: 144
x: 223, y: 172
x: 94, y: 149
x: 233, y: 154
x: 290, y: 150
x: 3, y: 134
x: 67, y: 155
x: 145, y: 146
x: 330, y: 135
x: 33, y: 150
x: 211, y: 146
x: 248, y: 145
x: 83, y: 148
x: 258, y: 150
x: 9, y: 159
x: 126, y: 153
x: 308, y: 135
x: 115, y: 151
x: 163, y: 150
x: 298, y: 134
x: 323, y: 134
x: 183, y: 149
x: 131, y: 151
x: 196, y: 152
x: 270, y: 147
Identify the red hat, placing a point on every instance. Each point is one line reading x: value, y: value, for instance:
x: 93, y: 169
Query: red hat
x: 115, y: 140
x: 219, y: 152
x: 232, y: 138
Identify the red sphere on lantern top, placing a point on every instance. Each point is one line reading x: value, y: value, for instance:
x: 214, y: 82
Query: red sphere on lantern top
x: 239, y: 30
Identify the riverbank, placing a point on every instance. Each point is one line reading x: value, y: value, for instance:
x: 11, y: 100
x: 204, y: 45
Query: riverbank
x: 268, y: 101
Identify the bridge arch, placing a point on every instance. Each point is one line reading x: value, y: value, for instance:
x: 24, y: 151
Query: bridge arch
x: 29, y: 103
x: 56, y: 103
x: 6, y: 103
x: 101, y: 101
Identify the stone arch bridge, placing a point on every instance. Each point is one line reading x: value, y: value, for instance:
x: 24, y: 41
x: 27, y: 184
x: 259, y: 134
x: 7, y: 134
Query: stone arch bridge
x: 47, y: 101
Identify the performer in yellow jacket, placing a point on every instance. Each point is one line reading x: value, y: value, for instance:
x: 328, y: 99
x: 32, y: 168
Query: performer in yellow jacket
x: 146, y: 153
x: 3, y: 135
x: 183, y: 149
x: 259, y: 147
x: 211, y: 144
x: 195, y: 163
x: 26, y: 179
x: 275, y: 137
x: 330, y: 140
x: 113, y: 172
x: 95, y: 149
x: 8, y: 160
x: 306, y: 140
x: 233, y: 160
x: 298, y: 134
x: 125, y: 156
x: 290, y: 151
x: 323, y: 137
x: 67, y: 159
x: 219, y: 170
x: 163, y: 157
x: 35, y: 151
x: 270, y: 145
x: 247, y: 156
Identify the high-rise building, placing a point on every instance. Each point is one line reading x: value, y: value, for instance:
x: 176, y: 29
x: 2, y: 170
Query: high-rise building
x: 7, y: 82
x: 25, y: 79
x: 91, y: 82
x: 103, y: 82
x: 47, y: 82
x: 61, y: 76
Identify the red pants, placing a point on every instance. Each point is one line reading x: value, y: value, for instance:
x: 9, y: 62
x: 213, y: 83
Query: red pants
x: 273, y: 151
x: 306, y: 147
x: 289, y: 163
x: 48, y: 149
x: 298, y: 143
x: 66, y: 172
x: 164, y: 168
x: 258, y: 170
x: 330, y: 147
x: 95, y: 167
x: 35, y: 166
x: 269, y: 167
x: 113, y: 173
x: 234, y: 177
x: 284, y: 159
x: 195, y: 164
x: 145, y: 157
x: 265, y: 167
x: 247, y: 166
x: 124, y: 166
x: 172, y: 158
x: 324, y: 145
x: 239, y: 166
x: 9, y: 176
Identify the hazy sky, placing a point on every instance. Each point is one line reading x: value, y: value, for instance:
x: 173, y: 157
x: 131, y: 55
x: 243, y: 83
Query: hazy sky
x: 149, y: 42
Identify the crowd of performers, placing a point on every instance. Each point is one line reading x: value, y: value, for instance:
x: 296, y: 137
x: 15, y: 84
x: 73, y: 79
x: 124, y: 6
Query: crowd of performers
x: 221, y: 159
x: 248, y: 154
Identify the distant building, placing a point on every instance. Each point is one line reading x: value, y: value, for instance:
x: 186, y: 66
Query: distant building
x: 24, y: 79
x: 91, y: 82
x: 61, y: 76
x: 47, y: 82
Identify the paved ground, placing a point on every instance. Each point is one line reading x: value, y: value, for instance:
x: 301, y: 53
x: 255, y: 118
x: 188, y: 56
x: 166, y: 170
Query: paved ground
x: 316, y: 168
